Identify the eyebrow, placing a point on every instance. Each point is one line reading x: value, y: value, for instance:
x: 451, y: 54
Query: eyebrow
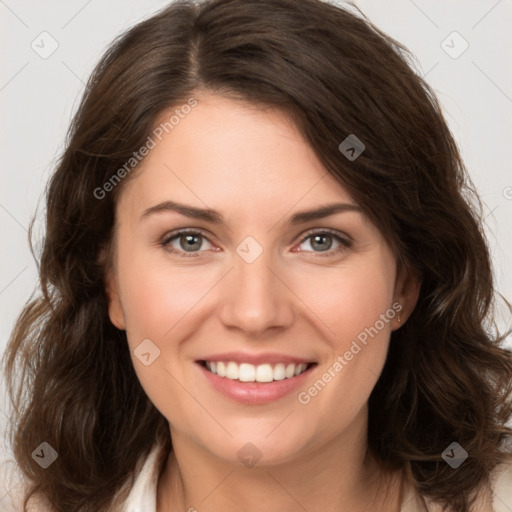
x: 215, y: 217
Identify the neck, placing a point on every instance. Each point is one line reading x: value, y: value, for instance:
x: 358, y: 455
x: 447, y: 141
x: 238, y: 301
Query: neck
x: 339, y: 475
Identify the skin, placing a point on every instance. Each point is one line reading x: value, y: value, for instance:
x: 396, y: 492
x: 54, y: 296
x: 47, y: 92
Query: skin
x: 256, y: 170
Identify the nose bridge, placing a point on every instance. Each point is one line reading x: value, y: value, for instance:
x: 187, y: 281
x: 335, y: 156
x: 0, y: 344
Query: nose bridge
x: 255, y: 297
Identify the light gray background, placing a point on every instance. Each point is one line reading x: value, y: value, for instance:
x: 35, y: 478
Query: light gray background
x: 38, y: 97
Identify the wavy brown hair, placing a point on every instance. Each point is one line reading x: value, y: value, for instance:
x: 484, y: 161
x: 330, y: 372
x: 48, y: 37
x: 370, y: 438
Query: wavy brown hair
x: 447, y: 377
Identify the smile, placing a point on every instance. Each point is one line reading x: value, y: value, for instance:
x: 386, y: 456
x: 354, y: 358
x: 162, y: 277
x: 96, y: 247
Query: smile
x: 246, y: 372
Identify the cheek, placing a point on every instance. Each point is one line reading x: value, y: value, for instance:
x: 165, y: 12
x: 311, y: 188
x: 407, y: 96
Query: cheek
x: 351, y: 298
x: 365, y: 297
x: 156, y: 295
x: 356, y: 305
x: 156, y: 299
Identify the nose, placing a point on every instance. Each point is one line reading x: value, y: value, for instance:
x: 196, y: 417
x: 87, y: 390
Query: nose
x: 255, y: 296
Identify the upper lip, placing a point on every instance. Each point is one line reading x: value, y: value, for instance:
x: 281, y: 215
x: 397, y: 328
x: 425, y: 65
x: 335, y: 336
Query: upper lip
x: 256, y: 359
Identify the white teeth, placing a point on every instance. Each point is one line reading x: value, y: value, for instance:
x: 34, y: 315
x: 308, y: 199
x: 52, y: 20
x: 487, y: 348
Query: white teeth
x: 279, y: 373
x: 221, y: 369
x: 246, y: 372
x: 232, y: 371
x: 264, y: 373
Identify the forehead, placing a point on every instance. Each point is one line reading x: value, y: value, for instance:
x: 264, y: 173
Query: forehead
x: 227, y: 154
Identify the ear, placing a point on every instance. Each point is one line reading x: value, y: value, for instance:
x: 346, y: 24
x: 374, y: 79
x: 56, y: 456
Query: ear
x: 115, y: 309
x: 407, y: 290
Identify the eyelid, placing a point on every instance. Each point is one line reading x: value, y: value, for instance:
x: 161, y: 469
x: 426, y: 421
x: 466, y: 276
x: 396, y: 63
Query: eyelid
x: 184, y: 231
x: 170, y: 236
x: 340, y: 234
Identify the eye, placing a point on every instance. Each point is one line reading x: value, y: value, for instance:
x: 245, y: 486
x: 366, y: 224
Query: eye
x: 185, y: 242
x: 322, y: 242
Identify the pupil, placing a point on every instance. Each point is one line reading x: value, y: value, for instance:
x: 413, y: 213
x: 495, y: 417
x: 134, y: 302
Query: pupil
x: 322, y: 238
x: 190, y: 241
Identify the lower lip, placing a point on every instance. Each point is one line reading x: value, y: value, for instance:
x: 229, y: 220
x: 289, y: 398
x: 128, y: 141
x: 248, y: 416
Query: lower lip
x: 255, y: 393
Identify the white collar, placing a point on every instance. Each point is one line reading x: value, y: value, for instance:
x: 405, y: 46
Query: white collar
x: 142, y: 497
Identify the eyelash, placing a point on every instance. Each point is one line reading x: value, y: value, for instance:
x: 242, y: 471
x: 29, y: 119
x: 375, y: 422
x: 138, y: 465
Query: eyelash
x: 344, y: 242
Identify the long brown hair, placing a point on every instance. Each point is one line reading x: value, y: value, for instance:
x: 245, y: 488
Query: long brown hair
x: 446, y: 377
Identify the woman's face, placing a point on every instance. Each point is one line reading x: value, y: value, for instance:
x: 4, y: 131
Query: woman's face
x: 257, y: 287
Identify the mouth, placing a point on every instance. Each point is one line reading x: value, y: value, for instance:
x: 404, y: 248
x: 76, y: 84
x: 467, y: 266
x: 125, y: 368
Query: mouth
x: 263, y: 373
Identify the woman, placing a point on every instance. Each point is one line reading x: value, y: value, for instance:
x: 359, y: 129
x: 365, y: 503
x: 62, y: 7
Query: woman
x: 265, y: 286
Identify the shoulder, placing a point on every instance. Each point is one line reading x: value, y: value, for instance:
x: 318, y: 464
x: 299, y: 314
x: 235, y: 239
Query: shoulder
x: 501, y: 483
x: 14, y: 487
x: 496, y: 497
x: 13, y: 501
x: 138, y: 494
x: 142, y: 495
